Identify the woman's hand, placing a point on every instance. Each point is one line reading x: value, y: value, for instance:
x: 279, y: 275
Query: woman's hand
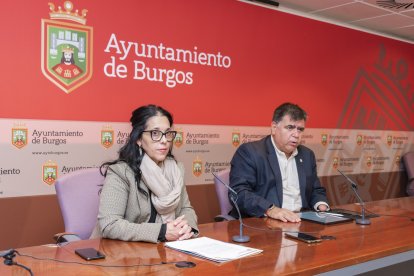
x: 178, y: 229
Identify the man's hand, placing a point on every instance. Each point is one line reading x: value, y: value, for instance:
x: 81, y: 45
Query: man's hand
x: 282, y: 214
x: 322, y: 207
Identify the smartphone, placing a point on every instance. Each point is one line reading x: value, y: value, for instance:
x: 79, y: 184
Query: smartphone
x: 89, y: 254
x: 303, y: 237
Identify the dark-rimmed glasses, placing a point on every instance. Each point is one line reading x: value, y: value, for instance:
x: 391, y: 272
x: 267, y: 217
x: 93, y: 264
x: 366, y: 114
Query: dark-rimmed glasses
x: 156, y: 135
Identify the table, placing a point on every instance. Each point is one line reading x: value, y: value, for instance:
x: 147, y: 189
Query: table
x: 355, y: 245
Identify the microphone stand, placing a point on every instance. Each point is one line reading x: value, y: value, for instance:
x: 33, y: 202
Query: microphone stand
x: 233, y: 198
x: 362, y: 220
x: 240, y: 237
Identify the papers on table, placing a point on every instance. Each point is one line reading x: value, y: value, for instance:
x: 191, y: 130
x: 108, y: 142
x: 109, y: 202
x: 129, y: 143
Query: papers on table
x: 213, y: 250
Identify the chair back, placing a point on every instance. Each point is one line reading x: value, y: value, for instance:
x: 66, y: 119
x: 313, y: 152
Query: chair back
x: 408, y: 161
x: 222, y: 191
x: 78, y: 197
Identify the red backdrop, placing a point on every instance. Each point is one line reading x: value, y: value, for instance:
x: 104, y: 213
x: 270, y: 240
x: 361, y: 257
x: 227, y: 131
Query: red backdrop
x: 275, y: 57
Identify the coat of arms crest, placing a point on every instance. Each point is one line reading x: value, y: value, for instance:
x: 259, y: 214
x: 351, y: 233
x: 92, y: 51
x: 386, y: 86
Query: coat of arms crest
x: 66, y: 47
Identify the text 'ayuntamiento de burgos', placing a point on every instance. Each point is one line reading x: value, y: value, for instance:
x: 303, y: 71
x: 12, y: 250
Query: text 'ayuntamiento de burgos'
x: 171, y: 77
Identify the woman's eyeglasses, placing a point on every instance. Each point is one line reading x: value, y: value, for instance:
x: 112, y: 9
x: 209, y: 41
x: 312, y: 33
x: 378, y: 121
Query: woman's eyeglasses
x: 156, y: 135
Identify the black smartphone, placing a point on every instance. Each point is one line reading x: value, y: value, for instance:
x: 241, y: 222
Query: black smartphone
x: 303, y: 237
x: 89, y: 254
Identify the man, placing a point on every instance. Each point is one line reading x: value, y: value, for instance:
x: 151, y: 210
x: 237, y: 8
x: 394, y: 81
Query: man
x: 67, y: 68
x: 276, y: 176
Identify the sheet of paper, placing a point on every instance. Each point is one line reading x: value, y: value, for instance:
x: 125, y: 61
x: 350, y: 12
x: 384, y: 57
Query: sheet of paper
x: 211, y: 249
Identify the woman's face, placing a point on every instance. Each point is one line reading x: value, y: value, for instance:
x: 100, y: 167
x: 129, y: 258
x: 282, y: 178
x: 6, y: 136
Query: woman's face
x: 156, y: 150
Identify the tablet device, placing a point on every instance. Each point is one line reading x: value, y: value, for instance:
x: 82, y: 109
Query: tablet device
x: 352, y: 214
x: 324, y: 217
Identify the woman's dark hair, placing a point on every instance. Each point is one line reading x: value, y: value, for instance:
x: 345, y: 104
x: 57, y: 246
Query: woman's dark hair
x: 131, y: 153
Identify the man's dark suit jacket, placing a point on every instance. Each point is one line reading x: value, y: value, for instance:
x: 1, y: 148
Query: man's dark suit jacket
x: 255, y: 176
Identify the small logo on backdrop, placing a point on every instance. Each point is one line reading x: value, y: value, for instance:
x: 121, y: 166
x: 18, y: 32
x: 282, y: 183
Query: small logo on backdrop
x: 66, y: 47
x: 369, y: 161
x: 235, y: 139
x: 395, y: 5
x: 49, y: 172
x: 178, y: 140
x: 19, y: 136
x: 389, y: 140
x: 397, y: 160
x: 197, y: 167
x: 324, y: 139
x: 359, y: 139
x: 107, y: 136
x: 335, y: 162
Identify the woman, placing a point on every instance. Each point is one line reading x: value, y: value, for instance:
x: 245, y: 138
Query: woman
x: 144, y: 197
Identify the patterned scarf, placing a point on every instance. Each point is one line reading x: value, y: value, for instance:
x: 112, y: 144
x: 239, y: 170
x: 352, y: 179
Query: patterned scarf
x: 165, y: 183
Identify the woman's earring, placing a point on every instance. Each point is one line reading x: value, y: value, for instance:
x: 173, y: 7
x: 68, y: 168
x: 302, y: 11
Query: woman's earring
x: 140, y: 150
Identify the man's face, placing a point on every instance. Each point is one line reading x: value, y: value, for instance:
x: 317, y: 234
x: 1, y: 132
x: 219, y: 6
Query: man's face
x: 287, y: 134
x: 67, y: 56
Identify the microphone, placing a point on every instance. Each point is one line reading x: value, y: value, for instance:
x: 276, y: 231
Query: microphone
x: 362, y: 220
x: 9, y: 255
x: 233, y: 198
x: 7, y: 252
